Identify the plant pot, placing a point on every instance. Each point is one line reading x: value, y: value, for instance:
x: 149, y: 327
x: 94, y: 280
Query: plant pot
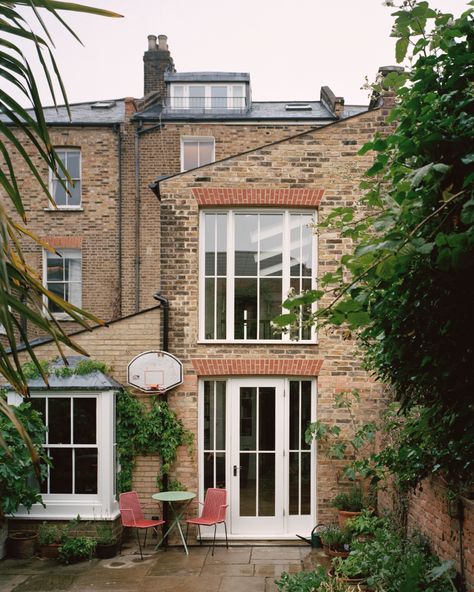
x: 344, y: 517
x: 333, y: 553
x: 21, y: 544
x: 50, y: 551
x: 351, y: 583
x: 106, y: 551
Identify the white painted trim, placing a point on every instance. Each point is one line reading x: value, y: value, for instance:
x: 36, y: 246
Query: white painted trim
x: 188, y: 138
x: 51, y: 178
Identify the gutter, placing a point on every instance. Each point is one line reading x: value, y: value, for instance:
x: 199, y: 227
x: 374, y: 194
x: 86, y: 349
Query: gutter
x: 118, y: 131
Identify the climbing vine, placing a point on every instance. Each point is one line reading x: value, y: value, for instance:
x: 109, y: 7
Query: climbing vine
x: 54, y: 368
x: 147, y: 431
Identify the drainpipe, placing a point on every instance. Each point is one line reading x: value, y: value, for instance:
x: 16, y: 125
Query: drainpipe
x: 119, y: 214
x: 164, y: 304
x: 137, y: 216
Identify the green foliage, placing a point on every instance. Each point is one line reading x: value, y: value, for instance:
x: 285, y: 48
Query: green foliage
x: 336, y: 538
x: 305, y: 581
x: 350, y: 501
x: 104, y: 533
x: 75, y: 549
x: 50, y: 533
x: 406, y: 286
x: 141, y: 431
x: 367, y: 524
x: 18, y: 484
x: 81, y: 368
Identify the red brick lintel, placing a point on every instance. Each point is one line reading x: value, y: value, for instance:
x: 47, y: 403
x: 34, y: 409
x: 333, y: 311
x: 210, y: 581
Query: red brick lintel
x: 226, y: 197
x: 264, y: 366
x: 64, y: 242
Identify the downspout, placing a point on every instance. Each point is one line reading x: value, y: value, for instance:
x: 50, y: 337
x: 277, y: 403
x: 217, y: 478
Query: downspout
x: 137, y: 216
x: 120, y: 215
x: 164, y: 304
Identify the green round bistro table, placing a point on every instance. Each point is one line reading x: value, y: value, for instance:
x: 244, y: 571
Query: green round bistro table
x: 172, y: 498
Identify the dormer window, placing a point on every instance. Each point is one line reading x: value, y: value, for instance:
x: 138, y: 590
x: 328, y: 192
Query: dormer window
x: 207, y: 97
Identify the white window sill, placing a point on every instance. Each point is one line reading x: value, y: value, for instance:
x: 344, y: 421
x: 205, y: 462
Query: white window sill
x: 68, y: 509
x: 256, y: 342
x: 65, y: 209
x: 62, y: 316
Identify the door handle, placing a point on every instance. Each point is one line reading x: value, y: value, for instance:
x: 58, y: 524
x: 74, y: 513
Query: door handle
x: 235, y: 470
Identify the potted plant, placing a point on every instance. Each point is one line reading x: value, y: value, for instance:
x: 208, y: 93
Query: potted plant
x: 49, y: 540
x: 76, y: 548
x: 364, y: 526
x: 350, y: 504
x: 107, y: 541
x: 353, y: 570
x: 335, y: 541
x: 16, y: 484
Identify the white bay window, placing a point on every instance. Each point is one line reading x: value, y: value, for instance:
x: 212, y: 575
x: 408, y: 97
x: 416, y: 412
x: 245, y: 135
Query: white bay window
x: 249, y: 263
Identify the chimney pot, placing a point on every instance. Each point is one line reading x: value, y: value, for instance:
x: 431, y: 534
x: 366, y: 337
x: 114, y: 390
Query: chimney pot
x: 162, y: 42
x: 151, y: 42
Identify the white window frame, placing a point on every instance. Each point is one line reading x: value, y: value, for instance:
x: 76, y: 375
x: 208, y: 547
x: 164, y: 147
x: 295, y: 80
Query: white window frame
x: 233, y: 91
x: 53, y: 179
x: 185, y: 139
x: 286, y: 338
x: 61, y: 316
x: 89, y: 506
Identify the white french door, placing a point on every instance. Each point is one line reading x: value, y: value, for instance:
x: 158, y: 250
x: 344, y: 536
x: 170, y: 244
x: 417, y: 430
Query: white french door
x: 252, y: 444
x: 257, y: 448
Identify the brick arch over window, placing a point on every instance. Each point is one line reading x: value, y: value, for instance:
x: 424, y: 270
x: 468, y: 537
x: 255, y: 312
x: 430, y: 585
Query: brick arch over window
x: 260, y: 367
x: 231, y: 197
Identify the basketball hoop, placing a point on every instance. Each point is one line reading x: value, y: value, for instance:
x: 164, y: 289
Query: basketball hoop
x: 155, y: 372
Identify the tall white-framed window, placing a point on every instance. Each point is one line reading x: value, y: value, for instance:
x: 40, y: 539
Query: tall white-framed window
x: 197, y: 151
x: 249, y: 262
x: 62, y: 275
x: 207, y: 97
x: 67, y: 195
x: 80, y: 442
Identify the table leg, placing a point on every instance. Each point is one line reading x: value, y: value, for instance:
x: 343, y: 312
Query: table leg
x: 183, y: 539
x: 177, y: 518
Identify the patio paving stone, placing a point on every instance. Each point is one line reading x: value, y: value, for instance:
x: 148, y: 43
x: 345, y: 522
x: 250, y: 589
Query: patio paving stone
x: 242, y: 584
x: 280, y: 553
x: 231, y: 555
x: 276, y: 569
x: 179, y: 584
x: 228, y: 569
x: 9, y: 583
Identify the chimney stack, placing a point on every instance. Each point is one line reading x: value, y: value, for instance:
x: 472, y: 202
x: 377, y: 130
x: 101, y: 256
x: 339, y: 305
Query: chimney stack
x: 157, y: 60
x: 331, y: 102
x: 385, y: 97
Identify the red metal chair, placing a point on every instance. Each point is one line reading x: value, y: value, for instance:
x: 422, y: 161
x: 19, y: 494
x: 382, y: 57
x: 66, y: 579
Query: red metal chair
x: 132, y: 516
x: 213, y: 513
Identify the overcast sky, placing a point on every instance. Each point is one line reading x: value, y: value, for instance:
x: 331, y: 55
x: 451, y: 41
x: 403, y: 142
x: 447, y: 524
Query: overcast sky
x: 290, y: 47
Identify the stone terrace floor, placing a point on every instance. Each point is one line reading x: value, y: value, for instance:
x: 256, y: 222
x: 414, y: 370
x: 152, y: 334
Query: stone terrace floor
x: 241, y: 568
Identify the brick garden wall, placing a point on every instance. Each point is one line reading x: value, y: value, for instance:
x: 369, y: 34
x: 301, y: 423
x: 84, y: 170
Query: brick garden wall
x: 427, y: 513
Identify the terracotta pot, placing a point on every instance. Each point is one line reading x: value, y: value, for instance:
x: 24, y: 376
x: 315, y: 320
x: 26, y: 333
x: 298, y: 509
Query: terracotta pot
x: 50, y: 551
x: 332, y: 553
x: 106, y: 551
x: 351, y: 583
x: 344, y: 517
x: 21, y: 544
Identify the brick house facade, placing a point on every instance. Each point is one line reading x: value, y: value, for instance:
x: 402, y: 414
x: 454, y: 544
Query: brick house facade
x: 279, y: 166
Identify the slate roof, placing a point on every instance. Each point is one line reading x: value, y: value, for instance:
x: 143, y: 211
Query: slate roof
x: 89, y: 113
x: 95, y: 381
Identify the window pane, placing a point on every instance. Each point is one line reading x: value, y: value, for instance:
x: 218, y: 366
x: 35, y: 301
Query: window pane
x: 208, y: 470
x: 60, y: 480
x: 209, y: 415
x: 294, y: 482
x: 55, y: 268
x: 305, y: 483
x: 73, y: 164
x: 295, y: 250
x: 59, y: 193
x: 75, y: 197
x: 218, y: 97
x: 190, y: 155
x: 210, y: 241
x: 305, y: 410
x: 270, y: 306
x: 59, y: 419
x: 266, y: 485
x: 220, y: 415
x: 221, y: 244
x: 248, y: 418
x: 245, y: 306
x: 196, y: 97
x: 306, y: 246
x: 294, y: 414
x: 220, y: 469
x: 246, y: 244
x: 84, y: 420
x: 86, y: 470
x: 266, y: 418
x: 39, y: 405
x: 238, y: 100
x: 206, y: 152
x: 271, y: 244
x: 248, y: 484
x: 221, y: 308
x: 209, y: 308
